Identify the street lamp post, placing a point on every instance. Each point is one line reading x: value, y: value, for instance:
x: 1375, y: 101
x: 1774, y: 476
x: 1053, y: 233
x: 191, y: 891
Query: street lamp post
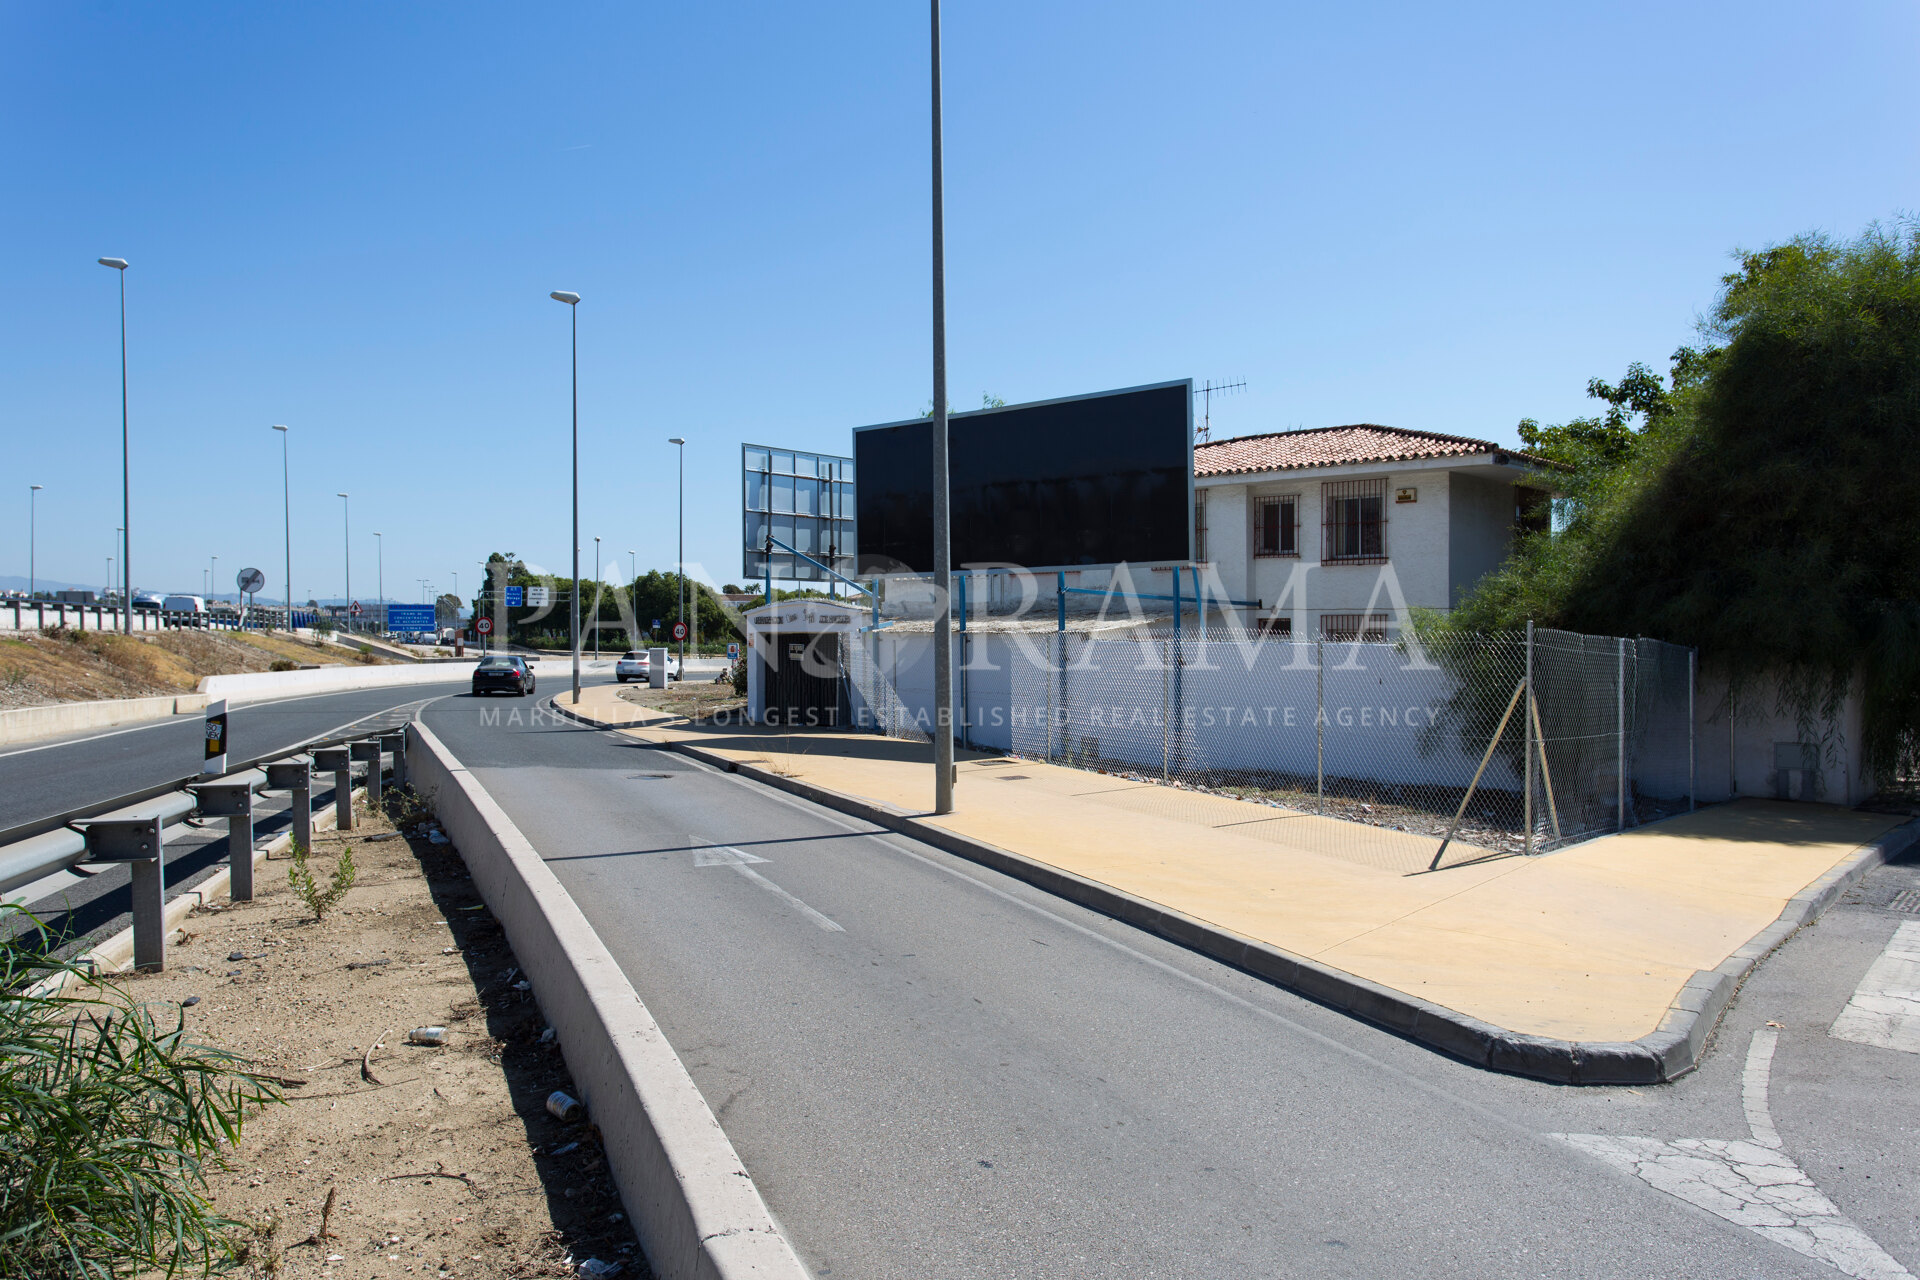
x: 120, y: 545
x: 286, y: 491
x: 596, y: 597
x: 680, y: 443
x: 573, y: 310
x: 346, y: 544
x: 380, y: 578
x: 126, y: 471
x: 942, y: 536
x: 33, y: 520
x: 108, y: 589
x: 213, y: 575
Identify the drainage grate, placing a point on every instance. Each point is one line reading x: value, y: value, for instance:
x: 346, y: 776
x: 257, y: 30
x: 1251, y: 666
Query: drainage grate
x: 1907, y: 900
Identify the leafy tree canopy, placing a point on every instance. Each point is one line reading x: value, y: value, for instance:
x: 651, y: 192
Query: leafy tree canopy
x: 1763, y: 504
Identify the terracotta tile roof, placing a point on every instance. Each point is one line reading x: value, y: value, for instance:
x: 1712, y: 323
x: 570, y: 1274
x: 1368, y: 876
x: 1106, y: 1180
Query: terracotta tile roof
x: 1333, y: 447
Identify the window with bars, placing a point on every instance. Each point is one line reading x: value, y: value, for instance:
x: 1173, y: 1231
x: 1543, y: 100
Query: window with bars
x: 1200, y: 526
x: 1355, y: 528
x: 1348, y: 627
x: 1276, y: 525
x: 1277, y: 628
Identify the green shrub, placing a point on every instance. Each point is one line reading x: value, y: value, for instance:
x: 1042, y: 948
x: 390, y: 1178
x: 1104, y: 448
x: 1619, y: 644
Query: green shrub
x: 114, y: 1116
x: 318, y: 900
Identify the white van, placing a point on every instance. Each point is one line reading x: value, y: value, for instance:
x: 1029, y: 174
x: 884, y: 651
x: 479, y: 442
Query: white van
x: 183, y: 611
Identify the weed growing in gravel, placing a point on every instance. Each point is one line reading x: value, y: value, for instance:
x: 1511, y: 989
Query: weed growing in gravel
x: 113, y: 1120
x: 318, y: 900
x: 407, y: 807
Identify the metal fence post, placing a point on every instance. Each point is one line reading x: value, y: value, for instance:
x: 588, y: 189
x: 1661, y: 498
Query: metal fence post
x: 334, y: 760
x: 370, y: 752
x: 1526, y: 836
x: 1166, y: 722
x: 397, y: 744
x: 1320, y: 724
x: 1620, y: 740
x: 295, y: 776
x: 233, y: 800
x: 1693, y: 763
x: 141, y: 843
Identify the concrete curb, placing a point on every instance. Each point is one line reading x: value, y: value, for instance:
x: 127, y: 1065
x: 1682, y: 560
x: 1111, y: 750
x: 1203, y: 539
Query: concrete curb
x: 698, y: 1214
x: 1670, y: 1051
x: 30, y: 724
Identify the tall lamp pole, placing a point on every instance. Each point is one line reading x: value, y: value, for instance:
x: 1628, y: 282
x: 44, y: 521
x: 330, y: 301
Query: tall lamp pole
x: 942, y: 539
x: 573, y: 309
x: 681, y: 443
x: 213, y: 576
x: 286, y: 491
x: 380, y: 578
x: 33, y: 521
x: 596, y: 597
x: 346, y: 551
x: 126, y: 470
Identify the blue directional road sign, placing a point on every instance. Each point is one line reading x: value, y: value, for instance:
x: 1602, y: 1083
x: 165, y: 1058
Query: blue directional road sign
x: 410, y: 617
x: 514, y: 597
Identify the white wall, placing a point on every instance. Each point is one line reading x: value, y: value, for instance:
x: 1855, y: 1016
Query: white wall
x: 1735, y: 756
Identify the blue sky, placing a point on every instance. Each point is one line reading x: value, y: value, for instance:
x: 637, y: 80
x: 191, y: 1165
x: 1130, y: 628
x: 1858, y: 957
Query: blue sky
x: 347, y: 218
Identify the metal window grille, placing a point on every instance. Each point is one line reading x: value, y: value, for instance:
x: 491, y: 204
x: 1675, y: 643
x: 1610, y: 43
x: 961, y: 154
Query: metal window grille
x: 1200, y: 525
x: 1348, y: 627
x: 1277, y: 628
x: 1355, y: 524
x: 1276, y: 525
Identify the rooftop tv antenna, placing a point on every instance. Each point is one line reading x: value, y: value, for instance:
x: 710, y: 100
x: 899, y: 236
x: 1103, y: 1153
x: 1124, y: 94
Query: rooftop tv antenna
x: 1206, y: 392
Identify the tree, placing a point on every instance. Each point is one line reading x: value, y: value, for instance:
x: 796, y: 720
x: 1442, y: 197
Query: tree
x: 1767, y: 509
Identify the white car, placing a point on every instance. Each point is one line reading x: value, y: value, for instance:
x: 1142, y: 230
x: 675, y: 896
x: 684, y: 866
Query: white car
x: 634, y: 665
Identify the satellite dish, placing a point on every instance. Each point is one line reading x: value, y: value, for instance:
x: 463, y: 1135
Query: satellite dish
x: 250, y: 580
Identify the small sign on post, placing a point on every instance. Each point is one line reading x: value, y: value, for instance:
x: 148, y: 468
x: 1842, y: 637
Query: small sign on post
x: 733, y: 653
x: 215, y: 761
x: 483, y: 625
x: 679, y: 631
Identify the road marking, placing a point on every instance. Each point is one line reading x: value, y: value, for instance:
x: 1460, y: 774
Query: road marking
x: 1753, y: 1184
x: 727, y: 856
x: 1885, y: 1009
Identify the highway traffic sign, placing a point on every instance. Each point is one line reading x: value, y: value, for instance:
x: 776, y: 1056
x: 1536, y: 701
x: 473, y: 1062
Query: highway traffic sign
x: 679, y: 631
x: 538, y: 596
x: 483, y: 625
x: 410, y: 617
x: 249, y: 581
x: 733, y: 653
x: 354, y: 608
x: 512, y: 596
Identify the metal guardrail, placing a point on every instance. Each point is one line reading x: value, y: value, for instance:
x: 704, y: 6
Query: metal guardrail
x: 132, y: 828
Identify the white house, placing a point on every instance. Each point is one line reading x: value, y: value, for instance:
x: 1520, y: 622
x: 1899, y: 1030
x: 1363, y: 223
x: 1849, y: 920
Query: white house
x: 1335, y: 529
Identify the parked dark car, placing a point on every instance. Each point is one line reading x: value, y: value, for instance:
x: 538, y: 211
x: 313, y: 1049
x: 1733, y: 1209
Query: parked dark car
x: 501, y: 674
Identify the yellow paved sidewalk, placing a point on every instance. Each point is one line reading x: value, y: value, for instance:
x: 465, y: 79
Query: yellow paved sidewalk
x: 1589, y: 943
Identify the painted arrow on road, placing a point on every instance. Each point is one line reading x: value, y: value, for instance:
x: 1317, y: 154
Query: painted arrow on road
x: 739, y: 860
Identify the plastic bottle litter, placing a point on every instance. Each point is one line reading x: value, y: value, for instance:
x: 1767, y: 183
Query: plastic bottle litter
x: 563, y: 1106
x: 427, y: 1035
x: 594, y: 1267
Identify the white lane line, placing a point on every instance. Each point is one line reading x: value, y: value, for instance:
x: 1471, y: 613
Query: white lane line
x: 1753, y: 1184
x: 1885, y: 1009
x: 727, y: 856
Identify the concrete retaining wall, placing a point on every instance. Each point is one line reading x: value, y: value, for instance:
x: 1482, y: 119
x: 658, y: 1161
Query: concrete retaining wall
x: 30, y: 723
x: 695, y: 1206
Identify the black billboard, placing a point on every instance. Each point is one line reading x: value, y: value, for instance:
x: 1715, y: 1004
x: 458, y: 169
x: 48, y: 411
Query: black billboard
x: 1088, y: 480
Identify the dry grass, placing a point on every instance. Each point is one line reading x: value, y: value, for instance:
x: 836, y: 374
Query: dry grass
x: 59, y: 665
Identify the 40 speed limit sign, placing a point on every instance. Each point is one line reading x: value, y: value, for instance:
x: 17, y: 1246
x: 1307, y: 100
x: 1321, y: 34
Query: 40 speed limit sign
x: 483, y: 625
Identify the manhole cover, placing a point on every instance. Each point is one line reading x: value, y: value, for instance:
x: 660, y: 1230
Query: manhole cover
x: 1907, y: 900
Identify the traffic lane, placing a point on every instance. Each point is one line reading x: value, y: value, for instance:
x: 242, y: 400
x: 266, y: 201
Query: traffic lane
x: 36, y: 783
x: 974, y: 1078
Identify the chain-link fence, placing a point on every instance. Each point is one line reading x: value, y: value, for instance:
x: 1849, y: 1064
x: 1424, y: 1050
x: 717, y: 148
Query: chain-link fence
x: 1376, y: 752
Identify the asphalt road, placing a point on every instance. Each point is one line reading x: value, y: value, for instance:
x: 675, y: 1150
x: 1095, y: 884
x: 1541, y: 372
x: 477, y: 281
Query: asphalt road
x: 934, y: 1071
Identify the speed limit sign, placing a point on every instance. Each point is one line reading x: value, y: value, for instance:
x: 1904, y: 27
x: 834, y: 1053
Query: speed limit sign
x: 483, y: 625
x: 679, y: 631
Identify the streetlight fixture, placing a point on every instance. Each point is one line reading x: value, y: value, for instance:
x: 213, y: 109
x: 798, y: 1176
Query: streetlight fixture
x: 346, y: 543
x: 126, y: 470
x: 681, y: 444
x: 596, y: 597
x: 573, y: 310
x: 33, y: 519
x: 286, y: 490
x: 380, y: 578
x: 120, y: 545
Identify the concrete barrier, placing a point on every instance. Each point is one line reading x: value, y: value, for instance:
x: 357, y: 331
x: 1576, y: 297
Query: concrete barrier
x: 698, y: 1214
x: 27, y: 724
x: 257, y: 686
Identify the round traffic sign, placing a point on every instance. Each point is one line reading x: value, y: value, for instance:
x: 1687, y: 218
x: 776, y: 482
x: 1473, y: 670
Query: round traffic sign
x: 679, y: 631
x: 483, y: 625
x: 249, y: 580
